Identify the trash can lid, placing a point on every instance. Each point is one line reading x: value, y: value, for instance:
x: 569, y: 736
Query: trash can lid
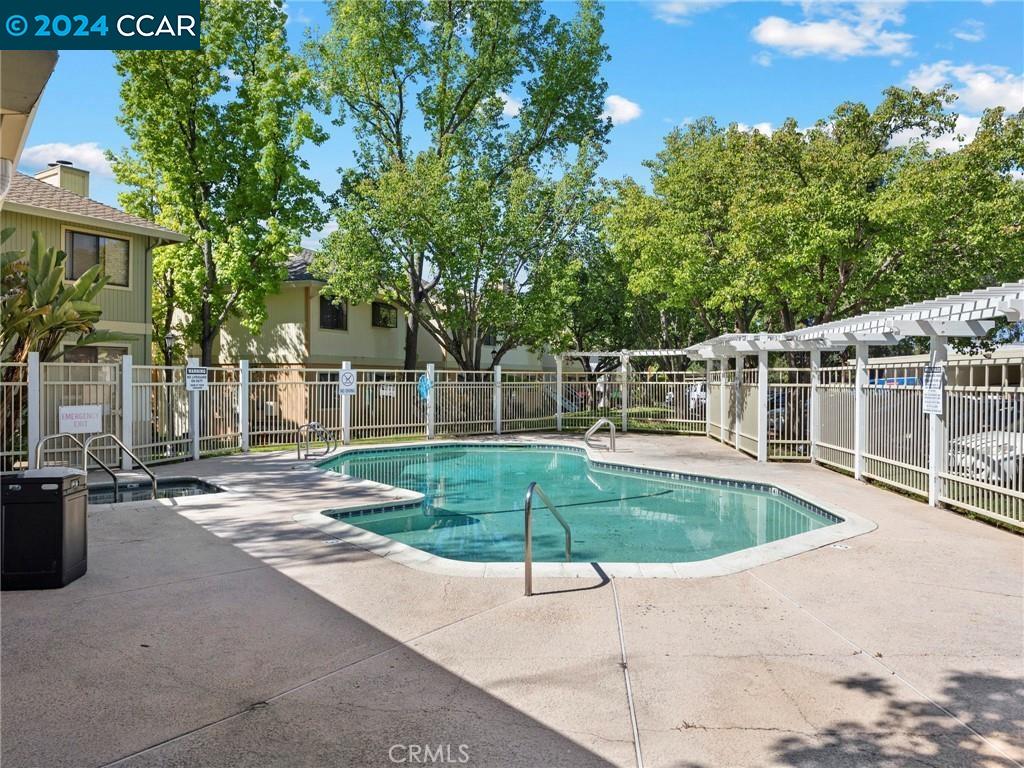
x: 53, y: 472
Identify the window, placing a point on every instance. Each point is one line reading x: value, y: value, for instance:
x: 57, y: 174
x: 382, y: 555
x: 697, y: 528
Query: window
x: 85, y: 251
x: 333, y: 317
x: 91, y: 354
x: 384, y: 315
x: 489, y: 340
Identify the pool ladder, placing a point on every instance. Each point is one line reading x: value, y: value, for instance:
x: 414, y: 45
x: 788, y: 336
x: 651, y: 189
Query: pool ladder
x: 596, y: 426
x: 88, y: 454
x: 312, y: 431
x: 535, y: 490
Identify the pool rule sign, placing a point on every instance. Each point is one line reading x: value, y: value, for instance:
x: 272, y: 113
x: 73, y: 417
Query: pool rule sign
x: 197, y: 379
x: 346, y: 382
x: 932, y: 379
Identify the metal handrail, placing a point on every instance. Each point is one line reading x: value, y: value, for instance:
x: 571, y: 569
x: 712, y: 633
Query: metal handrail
x: 311, y: 429
x: 528, y: 535
x: 126, y: 449
x: 76, y: 441
x: 596, y: 426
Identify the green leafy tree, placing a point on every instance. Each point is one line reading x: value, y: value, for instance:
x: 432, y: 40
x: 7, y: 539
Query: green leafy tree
x: 216, y: 137
x: 755, y: 232
x: 456, y: 206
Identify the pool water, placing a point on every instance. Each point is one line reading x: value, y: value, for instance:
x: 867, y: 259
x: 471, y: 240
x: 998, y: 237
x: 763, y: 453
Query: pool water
x: 473, y: 506
x: 143, y: 491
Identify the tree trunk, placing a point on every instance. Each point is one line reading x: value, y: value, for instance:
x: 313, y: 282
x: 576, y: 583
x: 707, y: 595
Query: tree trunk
x: 207, y: 348
x: 412, y: 330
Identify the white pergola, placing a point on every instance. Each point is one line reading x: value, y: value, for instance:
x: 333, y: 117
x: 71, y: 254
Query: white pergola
x: 964, y: 315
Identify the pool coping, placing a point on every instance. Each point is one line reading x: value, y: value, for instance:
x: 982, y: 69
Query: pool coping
x: 850, y: 525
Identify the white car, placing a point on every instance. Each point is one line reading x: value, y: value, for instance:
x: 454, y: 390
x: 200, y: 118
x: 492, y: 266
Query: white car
x: 994, y: 458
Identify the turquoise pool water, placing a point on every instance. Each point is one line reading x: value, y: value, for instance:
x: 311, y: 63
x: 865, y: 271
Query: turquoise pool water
x: 473, y: 506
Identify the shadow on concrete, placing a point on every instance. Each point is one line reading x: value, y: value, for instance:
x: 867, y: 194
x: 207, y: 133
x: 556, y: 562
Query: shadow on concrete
x: 178, y: 648
x: 915, y: 732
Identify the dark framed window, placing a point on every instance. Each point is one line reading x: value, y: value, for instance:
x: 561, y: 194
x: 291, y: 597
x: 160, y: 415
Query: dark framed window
x: 92, y: 354
x: 384, y: 315
x: 490, y: 340
x: 85, y: 251
x: 333, y: 317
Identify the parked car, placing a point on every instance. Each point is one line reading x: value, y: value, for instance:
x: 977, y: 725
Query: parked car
x: 994, y: 458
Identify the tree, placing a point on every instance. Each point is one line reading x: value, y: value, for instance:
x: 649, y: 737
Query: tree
x: 755, y: 232
x: 216, y: 135
x: 456, y: 226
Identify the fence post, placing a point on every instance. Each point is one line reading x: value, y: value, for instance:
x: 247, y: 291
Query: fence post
x: 243, y: 405
x: 625, y: 392
x: 127, y: 411
x: 558, y: 393
x: 737, y: 391
x: 346, y: 409
x: 193, y: 412
x: 431, y: 400
x: 35, y: 412
x: 496, y: 407
x: 762, y: 405
x: 814, y: 428
x: 860, y: 411
x: 938, y: 354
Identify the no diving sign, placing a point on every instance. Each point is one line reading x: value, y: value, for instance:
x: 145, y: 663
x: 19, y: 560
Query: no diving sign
x: 346, y: 382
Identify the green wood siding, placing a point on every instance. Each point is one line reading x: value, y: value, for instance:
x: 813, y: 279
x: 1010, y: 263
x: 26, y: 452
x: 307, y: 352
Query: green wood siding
x: 120, y: 305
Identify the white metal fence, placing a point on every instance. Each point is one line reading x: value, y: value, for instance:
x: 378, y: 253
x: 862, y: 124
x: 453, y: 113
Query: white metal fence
x: 811, y: 414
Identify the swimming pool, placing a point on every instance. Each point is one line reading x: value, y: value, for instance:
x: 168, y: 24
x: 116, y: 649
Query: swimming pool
x: 472, y: 506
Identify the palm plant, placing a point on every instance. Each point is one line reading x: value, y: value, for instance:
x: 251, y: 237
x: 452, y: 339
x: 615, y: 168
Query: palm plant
x: 40, y: 309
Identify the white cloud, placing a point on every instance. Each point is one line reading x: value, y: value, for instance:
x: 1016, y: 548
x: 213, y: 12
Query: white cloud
x: 620, y: 109
x: 762, y: 128
x: 963, y: 133
x: 763, y: 59
x: 970, y: 30
x: 511, y: 106
x: 680, y: 11
x: 837, y: 30
x: 978, y: 86
x: 88, y: 156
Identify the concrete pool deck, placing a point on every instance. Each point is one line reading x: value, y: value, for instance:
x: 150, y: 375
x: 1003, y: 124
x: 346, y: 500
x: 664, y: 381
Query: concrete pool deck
x: 218, y: 631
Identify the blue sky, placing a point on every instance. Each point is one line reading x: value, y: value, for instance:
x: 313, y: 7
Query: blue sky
x: 752, y: 63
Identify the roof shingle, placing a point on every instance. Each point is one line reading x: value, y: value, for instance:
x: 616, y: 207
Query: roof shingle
x: 26, y: 190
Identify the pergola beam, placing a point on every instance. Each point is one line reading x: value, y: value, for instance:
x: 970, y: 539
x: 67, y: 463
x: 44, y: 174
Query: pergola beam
x: 947, y: 328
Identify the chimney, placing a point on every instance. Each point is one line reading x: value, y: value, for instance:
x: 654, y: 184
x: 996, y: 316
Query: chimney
x: 63, y: 174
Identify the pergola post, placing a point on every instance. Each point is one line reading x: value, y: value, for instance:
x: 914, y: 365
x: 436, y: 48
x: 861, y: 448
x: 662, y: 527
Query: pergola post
x: 723, y: 401
x: 938, y: 354
x: 736, y: 392
x: 707, y: 398
x: 762, y: 406
x: 860, y: 411
x: 814, y: 428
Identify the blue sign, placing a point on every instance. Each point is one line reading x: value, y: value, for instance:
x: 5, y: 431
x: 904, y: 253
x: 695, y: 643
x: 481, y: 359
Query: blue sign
x: 99, y: 25
x: 424, y: 385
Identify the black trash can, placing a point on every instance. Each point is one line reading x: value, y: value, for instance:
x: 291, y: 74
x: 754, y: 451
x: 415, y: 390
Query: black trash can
x: 43, y: 526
